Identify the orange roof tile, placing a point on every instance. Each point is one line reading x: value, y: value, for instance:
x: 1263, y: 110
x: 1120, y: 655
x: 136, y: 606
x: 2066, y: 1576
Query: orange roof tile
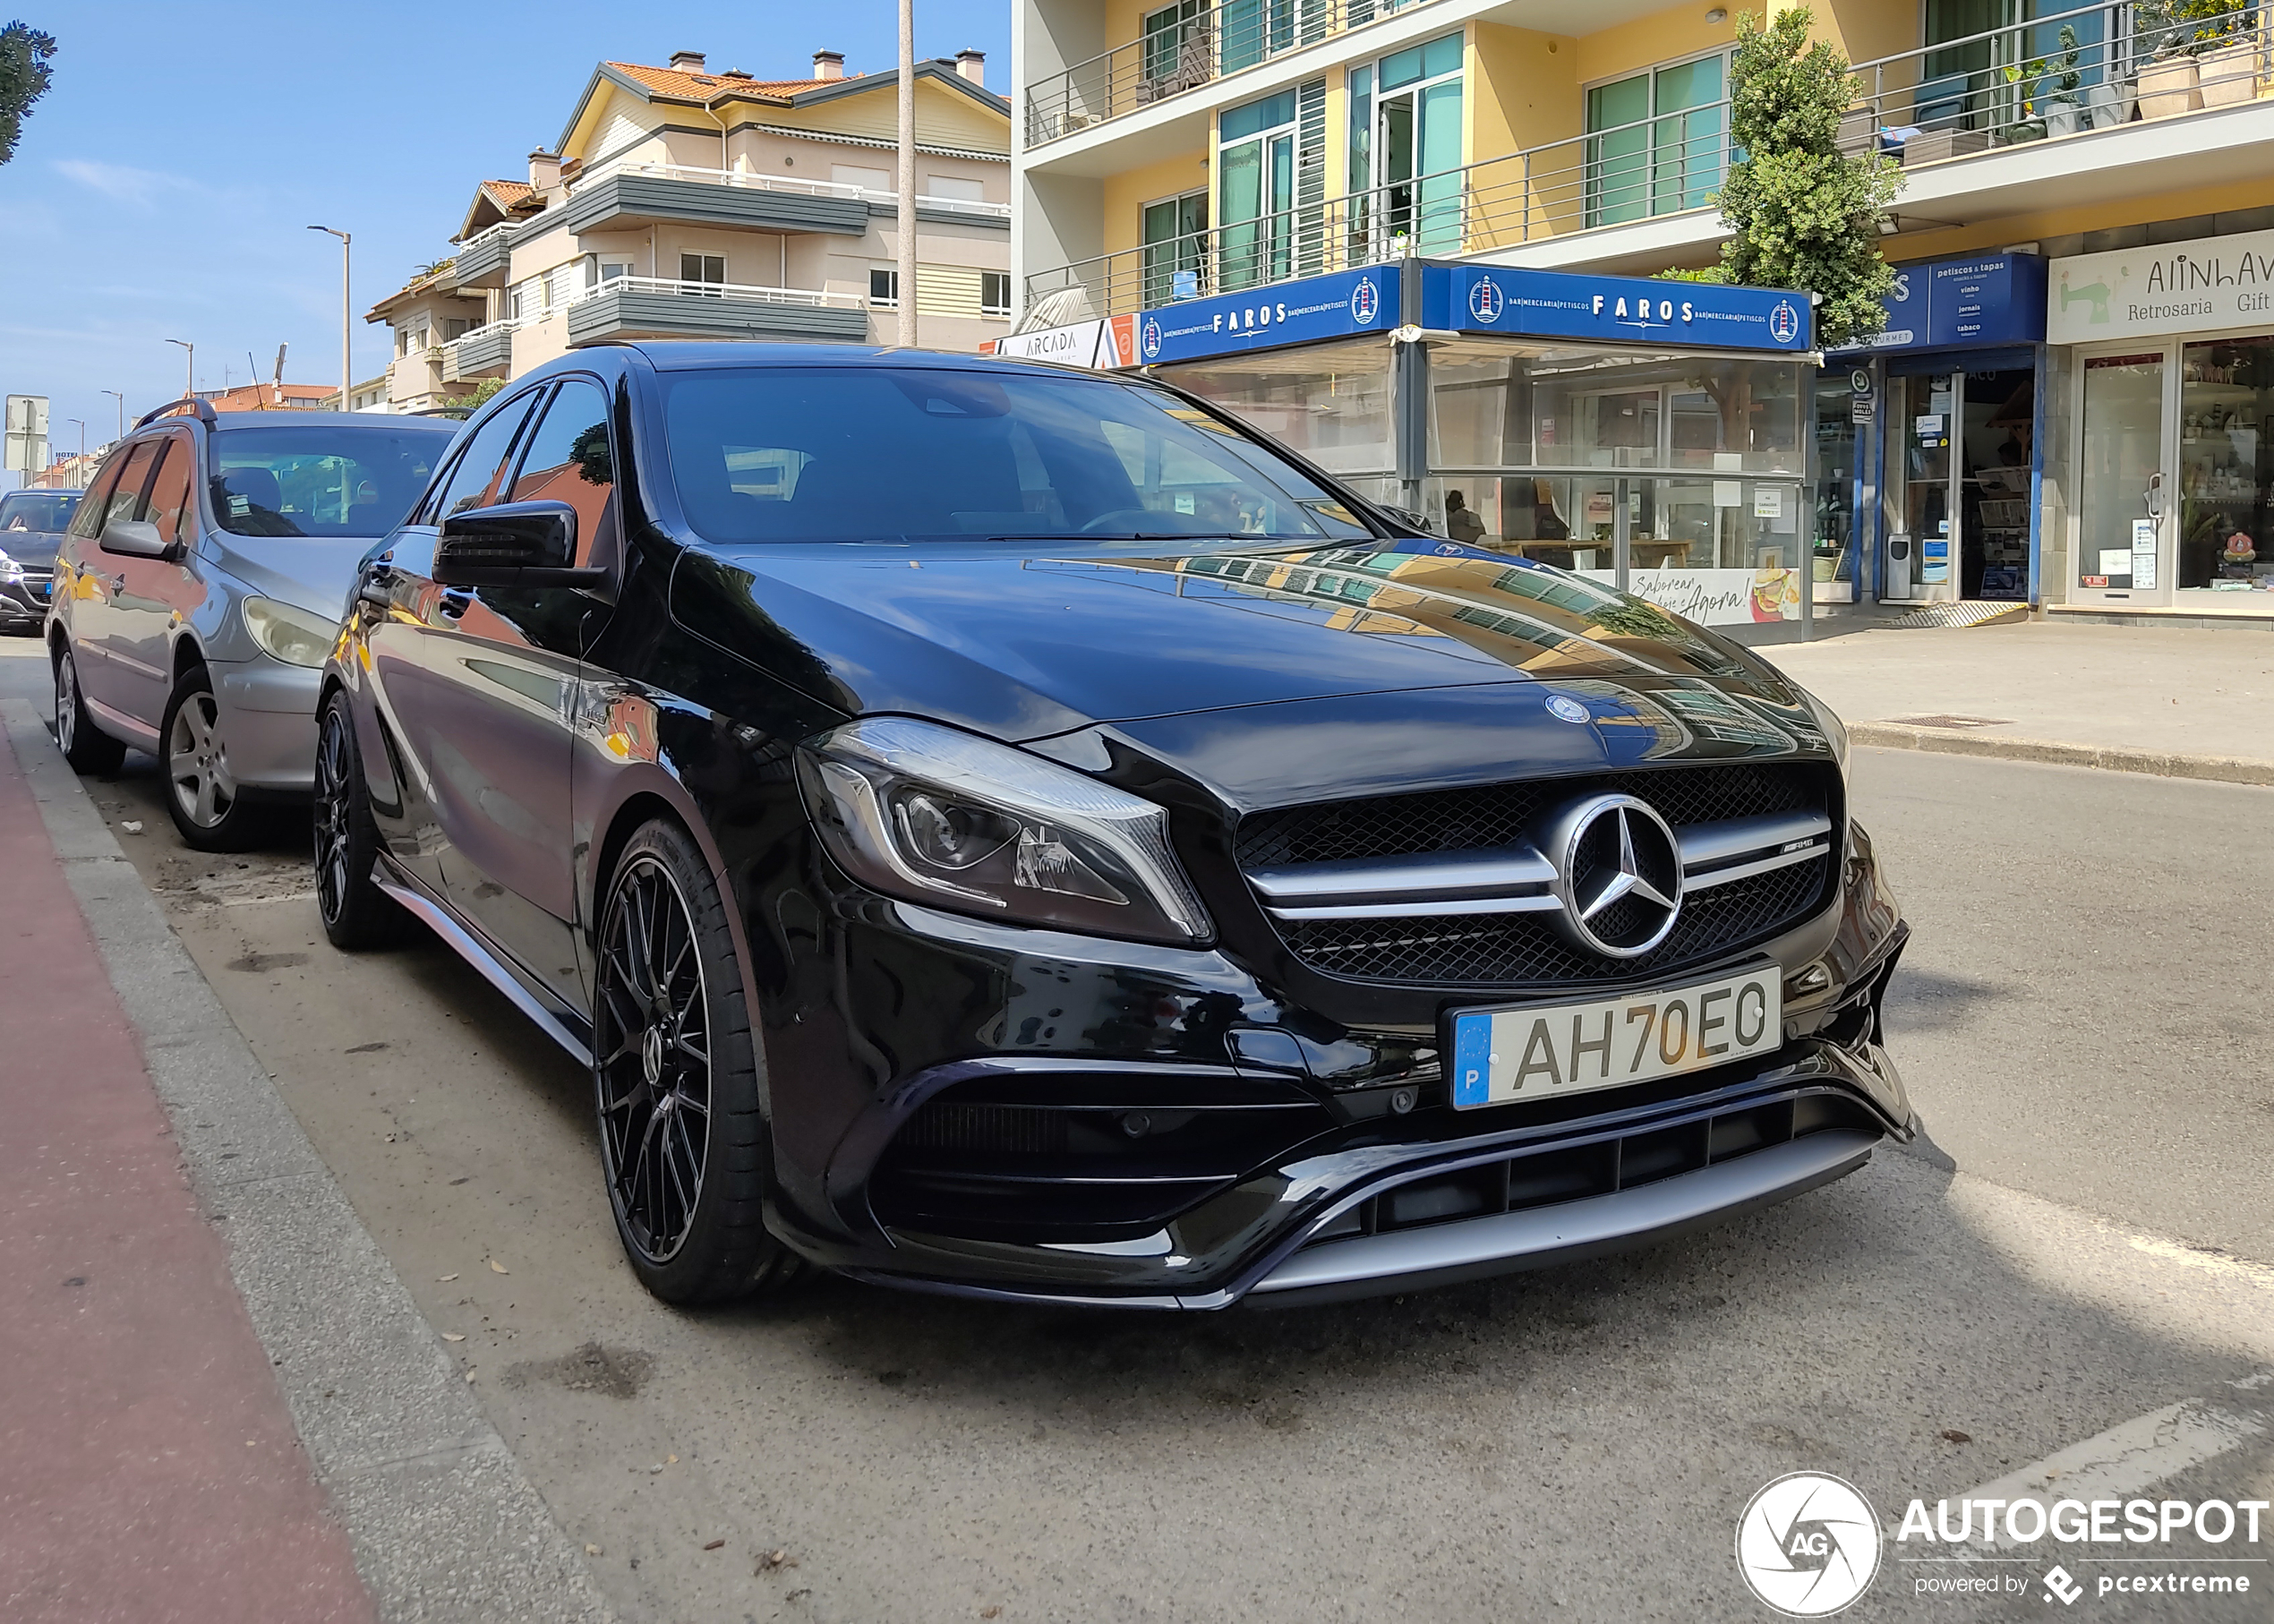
x: 703, y: 87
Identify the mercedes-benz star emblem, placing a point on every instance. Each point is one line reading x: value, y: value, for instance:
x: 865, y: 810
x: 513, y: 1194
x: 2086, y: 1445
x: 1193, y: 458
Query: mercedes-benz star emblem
x: 1618, y: 875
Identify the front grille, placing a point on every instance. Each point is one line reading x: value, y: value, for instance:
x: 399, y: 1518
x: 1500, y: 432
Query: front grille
x: 1523, y: 949
x: 1502, y: 815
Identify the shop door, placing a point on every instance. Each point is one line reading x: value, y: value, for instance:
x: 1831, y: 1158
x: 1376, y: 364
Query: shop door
x: 2123, y: 518
x: 1922, y: 495
x: 1992, y: 548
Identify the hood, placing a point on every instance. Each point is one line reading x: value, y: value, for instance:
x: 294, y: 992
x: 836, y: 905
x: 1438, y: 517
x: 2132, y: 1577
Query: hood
x: 1023, y: 643
x: 309, y: 572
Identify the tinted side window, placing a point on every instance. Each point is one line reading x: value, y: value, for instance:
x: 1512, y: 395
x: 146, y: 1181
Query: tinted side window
x: 87, y: 522
x: 126, y: 497
x: 473, y: 483
x: 568, y: 460
x: 170, y: 492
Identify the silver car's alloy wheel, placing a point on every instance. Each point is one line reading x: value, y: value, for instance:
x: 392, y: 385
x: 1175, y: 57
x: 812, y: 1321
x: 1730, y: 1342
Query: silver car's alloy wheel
x: 66, y: 704
x: 197, y: 763
x: 652, y: 1036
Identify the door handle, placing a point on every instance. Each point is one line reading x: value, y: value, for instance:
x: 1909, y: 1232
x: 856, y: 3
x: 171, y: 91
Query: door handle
x: 117, y: 586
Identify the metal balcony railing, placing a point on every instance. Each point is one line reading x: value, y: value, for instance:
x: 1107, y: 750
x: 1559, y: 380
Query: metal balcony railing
x: 2090, y: 68
x: 1187, y: 45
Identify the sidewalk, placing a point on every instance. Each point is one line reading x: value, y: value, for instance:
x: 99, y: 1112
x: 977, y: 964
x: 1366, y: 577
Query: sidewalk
x: 148, y: 1466
x: 2184, y: 704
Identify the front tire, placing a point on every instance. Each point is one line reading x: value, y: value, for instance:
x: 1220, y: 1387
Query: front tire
x: 357, y: 913
x: 675, y: 1079
x: 202, y: 794
x: 85, y: 745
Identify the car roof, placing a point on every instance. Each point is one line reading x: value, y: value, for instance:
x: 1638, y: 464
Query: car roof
x: 697, y: 355
x: 227, y: 421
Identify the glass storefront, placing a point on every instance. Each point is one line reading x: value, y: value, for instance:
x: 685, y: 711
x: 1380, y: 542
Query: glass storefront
x: 2225, y: 400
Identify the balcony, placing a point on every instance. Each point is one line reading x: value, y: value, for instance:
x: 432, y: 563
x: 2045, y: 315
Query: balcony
x: 632, y: 307
x: 2010, y: 120
x: 629, y: 195
x: 486, y: 352
x: 1191, y: 48
x: 482, y: 257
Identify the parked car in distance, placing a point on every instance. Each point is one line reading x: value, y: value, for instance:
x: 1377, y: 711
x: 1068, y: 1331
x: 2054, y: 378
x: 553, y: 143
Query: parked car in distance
x: 1003, y: 830
x: 198, y: 589
x: 32, y: 524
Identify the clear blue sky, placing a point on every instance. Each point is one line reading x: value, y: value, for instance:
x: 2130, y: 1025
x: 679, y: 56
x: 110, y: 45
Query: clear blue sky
x: 164, y: 185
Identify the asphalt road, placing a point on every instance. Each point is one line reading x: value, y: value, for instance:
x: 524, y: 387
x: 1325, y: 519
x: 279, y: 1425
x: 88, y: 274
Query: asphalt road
x: 2087, y: 1240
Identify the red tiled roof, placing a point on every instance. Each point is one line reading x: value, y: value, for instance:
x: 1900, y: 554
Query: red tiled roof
x: 704, y: 87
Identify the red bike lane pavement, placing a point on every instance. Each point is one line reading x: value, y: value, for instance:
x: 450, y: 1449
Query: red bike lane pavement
x: 149, y: 1467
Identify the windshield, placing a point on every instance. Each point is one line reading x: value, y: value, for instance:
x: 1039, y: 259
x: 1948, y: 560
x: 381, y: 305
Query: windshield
x: 876, y: 453
x: 49, y: 511
x: 325, y: 478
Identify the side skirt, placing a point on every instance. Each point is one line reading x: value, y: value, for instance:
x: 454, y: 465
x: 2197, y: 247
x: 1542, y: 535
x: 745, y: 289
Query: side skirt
x: 478, y: 953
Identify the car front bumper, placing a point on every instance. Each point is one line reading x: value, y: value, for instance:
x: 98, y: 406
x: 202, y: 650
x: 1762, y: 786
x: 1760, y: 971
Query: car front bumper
x: 1329, y: 1162
x: 269, y: 718
x: 24, y: 602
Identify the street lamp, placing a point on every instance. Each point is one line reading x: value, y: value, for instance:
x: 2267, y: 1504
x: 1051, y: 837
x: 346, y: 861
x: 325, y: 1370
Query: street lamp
x: 114, y: 395
x: 188, y: 389
x: 81, y: 471
x: 346, y: 377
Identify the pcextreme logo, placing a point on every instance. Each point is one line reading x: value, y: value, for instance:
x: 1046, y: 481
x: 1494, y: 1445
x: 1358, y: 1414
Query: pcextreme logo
x: 1809, y: 1545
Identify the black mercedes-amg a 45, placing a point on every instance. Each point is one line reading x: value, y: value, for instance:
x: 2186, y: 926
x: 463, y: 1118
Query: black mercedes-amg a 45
x: 1017, y: 832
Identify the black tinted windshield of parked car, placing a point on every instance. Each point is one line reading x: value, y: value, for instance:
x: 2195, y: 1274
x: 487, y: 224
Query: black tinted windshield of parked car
x: 324, y: 479
x: 861, y: 454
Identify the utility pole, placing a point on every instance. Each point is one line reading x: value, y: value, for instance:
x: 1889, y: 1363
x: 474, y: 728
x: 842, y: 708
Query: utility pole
x: 907, y: 273
x: 189, y: 364
x: 114, y: 395
x: 347, y: 371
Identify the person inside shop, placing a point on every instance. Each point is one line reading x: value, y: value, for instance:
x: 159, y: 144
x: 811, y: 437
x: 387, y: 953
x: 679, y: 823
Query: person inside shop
x: 1461, y: 522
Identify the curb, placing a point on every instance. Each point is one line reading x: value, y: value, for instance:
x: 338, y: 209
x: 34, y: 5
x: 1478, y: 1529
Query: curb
x: 446, y: 1526
x: 2114, y: 759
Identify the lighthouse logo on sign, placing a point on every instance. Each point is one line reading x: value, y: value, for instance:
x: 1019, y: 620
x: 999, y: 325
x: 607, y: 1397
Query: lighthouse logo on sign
x: 1151, y: 338
x: 1486, y: 300
x: 1365, y: 302
x: 1784, y: 322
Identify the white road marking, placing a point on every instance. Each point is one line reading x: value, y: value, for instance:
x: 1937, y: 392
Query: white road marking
x: 2123, y: 1460
x: 2208, y: 1262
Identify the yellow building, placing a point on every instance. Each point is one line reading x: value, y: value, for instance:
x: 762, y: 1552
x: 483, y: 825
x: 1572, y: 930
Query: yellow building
x: 684, y: 202
x: 1172, y: 151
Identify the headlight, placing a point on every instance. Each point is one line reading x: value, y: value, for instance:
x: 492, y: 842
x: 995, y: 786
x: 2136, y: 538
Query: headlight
x: 293, y: 636
x: 10, y: 570
x: 1835, y: 731
x: 936, y: 816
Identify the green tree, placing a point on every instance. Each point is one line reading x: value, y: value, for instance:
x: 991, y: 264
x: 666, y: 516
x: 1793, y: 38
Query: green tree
x: 24, y: 54
x: 482, y: 391
x: 1805, y: 215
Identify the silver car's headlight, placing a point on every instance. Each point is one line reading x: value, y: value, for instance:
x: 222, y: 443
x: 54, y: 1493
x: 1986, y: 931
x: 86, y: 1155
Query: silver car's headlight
x: 10, y: 570
x: 293, y: 636
x: 936, y: 816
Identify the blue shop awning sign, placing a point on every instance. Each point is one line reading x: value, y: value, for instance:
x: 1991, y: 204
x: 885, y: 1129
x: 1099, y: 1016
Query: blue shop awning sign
x: 1976, y: 302
x: 1632, y: 310
x: 1340, y: 305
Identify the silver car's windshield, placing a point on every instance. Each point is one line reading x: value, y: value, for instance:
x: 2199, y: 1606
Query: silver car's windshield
x: 858, y: 454
x: 325, y: 478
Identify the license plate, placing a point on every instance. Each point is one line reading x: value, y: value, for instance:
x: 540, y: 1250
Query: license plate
x: 1537, y: 1052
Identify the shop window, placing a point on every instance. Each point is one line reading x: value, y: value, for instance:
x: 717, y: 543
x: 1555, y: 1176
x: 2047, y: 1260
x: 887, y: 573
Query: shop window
x: 2226, y: 470
x: 1657, y: 141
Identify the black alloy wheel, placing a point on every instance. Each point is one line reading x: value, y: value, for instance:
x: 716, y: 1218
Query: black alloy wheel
x: 85, y: 745
x: 356, y: 912
x: 676, y: 1081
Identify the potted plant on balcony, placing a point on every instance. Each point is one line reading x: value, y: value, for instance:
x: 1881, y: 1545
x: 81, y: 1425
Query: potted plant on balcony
x: 2168, y: 77
x: 2226, y: 56
x: 2062, y: 106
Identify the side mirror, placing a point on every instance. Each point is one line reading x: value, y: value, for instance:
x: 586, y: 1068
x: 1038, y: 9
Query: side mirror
x: 512, y: 544
x: 134, y: 538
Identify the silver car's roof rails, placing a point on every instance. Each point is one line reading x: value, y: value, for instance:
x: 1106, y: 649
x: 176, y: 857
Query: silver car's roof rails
x: 197, y: 403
